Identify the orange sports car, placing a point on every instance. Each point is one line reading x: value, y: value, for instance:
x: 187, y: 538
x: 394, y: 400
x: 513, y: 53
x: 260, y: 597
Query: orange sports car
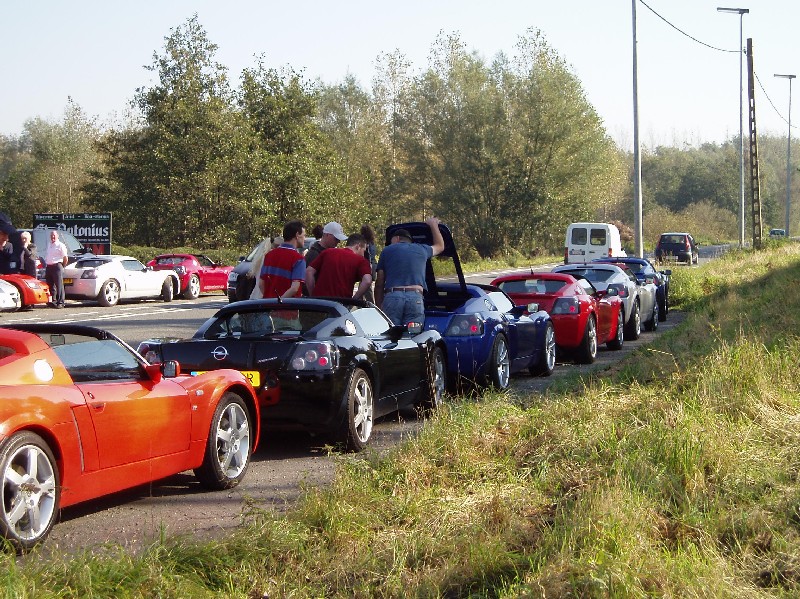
x: 83, y: 415
x: 32, y: 291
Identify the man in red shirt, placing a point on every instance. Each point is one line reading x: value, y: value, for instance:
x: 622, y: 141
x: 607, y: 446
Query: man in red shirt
x: 284, y: 267
x: 335, y: 272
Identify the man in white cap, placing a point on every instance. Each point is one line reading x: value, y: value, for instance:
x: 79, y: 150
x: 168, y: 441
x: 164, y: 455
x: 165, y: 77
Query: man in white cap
x: 332, y: 234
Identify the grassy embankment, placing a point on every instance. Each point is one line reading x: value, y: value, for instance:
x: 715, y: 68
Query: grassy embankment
x: 676, y: 474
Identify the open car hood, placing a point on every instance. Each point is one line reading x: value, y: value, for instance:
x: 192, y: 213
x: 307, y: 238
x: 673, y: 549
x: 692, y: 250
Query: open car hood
x: 421, y: 233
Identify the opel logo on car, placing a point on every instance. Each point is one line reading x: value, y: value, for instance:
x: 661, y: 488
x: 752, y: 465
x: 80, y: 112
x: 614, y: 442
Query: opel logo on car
x: 219, y: 353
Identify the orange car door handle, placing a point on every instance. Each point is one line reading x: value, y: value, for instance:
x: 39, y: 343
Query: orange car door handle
x: 98, y: 406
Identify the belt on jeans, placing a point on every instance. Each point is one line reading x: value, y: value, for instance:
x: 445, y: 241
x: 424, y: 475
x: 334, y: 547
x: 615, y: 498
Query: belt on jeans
x: 390, y: 289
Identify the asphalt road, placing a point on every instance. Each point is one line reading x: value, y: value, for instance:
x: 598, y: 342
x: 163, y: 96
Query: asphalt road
x: 282, y: 465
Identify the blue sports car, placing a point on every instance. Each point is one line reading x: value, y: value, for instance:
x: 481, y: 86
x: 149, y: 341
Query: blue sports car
x: 644, y: 270
x: 487, y: 337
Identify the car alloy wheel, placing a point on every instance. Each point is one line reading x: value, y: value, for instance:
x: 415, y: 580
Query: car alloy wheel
x: 229, y: 445
x: 30, y: 491
x: 360, y: 407
x: 633, y: 328
x: 193, y: 288
x: 499, y: 364
x: 588, y: 349
x: 109, y: 293
x: 619, y: 337
x: 437, y: 380
x: 548, y: 362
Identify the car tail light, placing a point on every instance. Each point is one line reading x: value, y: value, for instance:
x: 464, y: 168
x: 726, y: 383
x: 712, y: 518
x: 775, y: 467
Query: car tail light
x: 89, y: 273
x: 566, y: 305
x: 465, y: 325
x: 314, y: 357
x: 688, y: 245
x: 610, y: 253
x: 566, y: 255
x: 621, y: 290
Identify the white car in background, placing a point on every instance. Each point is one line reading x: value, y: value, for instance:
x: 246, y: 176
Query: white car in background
x: 9, y: 297
x: 107, y: 279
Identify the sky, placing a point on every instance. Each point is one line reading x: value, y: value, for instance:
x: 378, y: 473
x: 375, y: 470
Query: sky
x: 95, y: 52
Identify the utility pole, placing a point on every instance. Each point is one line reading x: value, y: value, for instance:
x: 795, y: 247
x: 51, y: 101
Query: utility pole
x: 637, y: 150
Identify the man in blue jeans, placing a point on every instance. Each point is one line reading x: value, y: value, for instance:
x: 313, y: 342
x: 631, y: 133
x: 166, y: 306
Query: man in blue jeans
x: 400, y: 274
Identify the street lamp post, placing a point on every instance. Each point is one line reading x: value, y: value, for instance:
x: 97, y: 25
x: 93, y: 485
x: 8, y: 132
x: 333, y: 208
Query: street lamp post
x: 788, y: 156
x: 740, y: 12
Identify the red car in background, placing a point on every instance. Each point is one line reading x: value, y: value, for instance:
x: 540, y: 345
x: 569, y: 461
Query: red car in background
x: 197, y: 273
x: 32, y: 291
x: 582, y: 316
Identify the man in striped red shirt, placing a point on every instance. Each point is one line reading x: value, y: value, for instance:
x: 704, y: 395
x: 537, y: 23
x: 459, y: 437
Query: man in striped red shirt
x: 284, y: 268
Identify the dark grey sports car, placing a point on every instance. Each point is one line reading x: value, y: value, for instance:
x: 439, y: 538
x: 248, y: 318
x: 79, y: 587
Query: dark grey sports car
x: 329, y: 367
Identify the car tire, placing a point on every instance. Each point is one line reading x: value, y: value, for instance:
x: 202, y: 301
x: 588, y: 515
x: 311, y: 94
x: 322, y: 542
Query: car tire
x: 663, y: 308
x: 359, y: 412
x: 652, y: 324
x: 436, y: 383
x: 498, y: 369
x: 31, y: 494
x: 587, y: 351
x: 548, y: 362
x: 109, y: 294
x: 229, y: 445
x: 193, y: 288
x: 619, y: 336
x: 633, y: 328
x: 166, y: 290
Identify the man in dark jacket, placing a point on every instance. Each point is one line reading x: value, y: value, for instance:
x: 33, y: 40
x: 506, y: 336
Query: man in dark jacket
x: 29, y: 257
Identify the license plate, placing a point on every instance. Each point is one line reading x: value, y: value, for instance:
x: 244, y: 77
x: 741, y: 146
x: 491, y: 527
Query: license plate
x: 67, y: 281
x: 251, y: 375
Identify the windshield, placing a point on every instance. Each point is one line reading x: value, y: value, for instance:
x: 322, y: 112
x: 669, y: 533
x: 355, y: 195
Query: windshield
x: 258, y: 323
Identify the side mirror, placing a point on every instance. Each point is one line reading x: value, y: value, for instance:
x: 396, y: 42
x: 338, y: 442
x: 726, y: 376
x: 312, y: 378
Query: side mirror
x: 667, y: 272
x: 533, y: 307
x: 649, y: 279
x: 611, y: 292
x: 170, y: 369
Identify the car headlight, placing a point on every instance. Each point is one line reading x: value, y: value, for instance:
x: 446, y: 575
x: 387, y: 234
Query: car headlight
x: 465, y: 325
x: 33, y: 283
x: 232, y: 276
x: 314, y: 356
x: 89, y: 273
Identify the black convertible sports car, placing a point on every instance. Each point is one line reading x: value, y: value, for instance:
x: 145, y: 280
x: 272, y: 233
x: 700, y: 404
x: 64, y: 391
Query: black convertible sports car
x: 329, y: 367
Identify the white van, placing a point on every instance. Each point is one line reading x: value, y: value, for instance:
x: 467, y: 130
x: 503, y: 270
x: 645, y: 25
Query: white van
x: 587, y: 241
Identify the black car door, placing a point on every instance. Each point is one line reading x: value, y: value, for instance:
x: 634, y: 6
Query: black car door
x: 398, y: 360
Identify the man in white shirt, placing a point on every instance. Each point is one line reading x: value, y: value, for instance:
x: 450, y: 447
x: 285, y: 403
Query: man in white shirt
x: 55, y: 258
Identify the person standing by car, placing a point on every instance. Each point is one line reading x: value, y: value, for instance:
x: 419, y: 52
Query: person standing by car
x: 400, y: 279
x: 8, y: 264
x: 55, y: 258
x: 28, y: 256
x: 336, y: 271
x: 284, y: 269
x: 332, y: 234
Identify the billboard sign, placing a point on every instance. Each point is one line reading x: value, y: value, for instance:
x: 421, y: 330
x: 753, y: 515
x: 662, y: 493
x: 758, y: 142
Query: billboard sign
x: 92, y: 229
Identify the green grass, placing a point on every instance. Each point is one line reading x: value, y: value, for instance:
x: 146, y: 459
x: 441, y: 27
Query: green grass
x: 674, y: 473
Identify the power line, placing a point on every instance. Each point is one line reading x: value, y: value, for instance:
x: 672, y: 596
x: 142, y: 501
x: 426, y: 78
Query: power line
x: 761, y: 85
x: 702, y: 43
x: 682, y: 32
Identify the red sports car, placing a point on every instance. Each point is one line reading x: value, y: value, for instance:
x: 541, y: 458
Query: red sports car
x: 583, y: 317
x: 197, y: 273
x: 32, y: 291
x: 83, y: 415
